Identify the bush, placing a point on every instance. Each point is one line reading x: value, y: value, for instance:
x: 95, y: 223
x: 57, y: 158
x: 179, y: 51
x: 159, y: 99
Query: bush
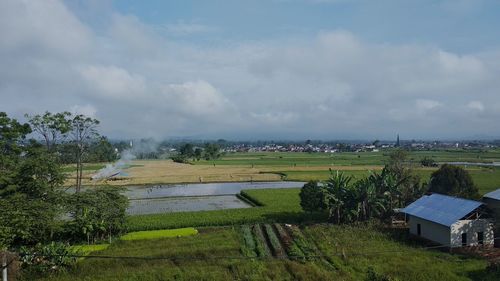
x: 49, y: 258
x: 97, y: 213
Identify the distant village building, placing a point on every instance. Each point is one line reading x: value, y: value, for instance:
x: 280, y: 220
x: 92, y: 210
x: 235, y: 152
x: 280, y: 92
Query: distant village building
x: 450, y: 221
x: 492, y: 201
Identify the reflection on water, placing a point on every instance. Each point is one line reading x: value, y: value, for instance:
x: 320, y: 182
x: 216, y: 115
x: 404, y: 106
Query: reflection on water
x: 167, y: 198
x: 202, y: 189
x: 184, y: 204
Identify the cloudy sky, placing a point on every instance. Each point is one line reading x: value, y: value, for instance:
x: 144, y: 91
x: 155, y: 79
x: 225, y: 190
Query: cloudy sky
x: 257, y: 69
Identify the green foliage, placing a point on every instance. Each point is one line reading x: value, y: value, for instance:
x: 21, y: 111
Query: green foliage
x: 371, y: 197
x: 453, y: 180
x: 260, y: 242
x: 97, y: 213
x: 48, y: 258
x: 275, y: 242
x: 291, y: 247
x: 248, y: 246
x: 29, y: 179
x: 101, y: 150
x: 371, y: 275
x: 311, y: 197
x: 211, y: 151
x: 428, y: 162
x: 51, y: 127
x: 156, y: 234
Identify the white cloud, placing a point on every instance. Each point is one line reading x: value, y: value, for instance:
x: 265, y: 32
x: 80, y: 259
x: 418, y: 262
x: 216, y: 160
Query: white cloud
x: 476, y: 105
x: 331, y: 85
x: 425, y: 105
x: 87, y: 110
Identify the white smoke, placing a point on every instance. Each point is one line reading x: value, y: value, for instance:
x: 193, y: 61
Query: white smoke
x: 116, y: 169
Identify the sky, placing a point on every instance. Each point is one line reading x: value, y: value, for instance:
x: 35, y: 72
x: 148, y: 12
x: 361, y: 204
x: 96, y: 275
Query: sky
x: 257, y: 69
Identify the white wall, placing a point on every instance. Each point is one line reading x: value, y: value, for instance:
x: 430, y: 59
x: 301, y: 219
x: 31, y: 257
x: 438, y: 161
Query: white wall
x: 471, y: 227
x: 430, y: 230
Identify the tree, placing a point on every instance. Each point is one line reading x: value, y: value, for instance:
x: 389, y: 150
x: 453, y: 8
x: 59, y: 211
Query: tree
x: 337, y: 189
x: 211, y: 151
x: 51, y: 127
x: 454, y: 181
x: 311, y: 197
x: 29, y: 181
x: 97, y: 213
x: 101, y: 151
x: 84, y: 132
x: 186, y: 150
x: 198, y: 153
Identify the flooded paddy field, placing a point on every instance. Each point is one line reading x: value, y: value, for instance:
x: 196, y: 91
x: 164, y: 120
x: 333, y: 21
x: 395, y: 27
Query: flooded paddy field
x: 171, y: 198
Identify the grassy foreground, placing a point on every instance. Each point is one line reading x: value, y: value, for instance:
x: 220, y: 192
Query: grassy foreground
x: 218, y: 254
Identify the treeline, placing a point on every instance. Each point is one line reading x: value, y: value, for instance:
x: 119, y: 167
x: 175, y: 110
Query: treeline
x: 189, y: 152
x: 35, y: 209
x: 378, y: 195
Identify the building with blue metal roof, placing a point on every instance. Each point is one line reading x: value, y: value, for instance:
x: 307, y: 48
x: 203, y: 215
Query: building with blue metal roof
x: 450, y: 221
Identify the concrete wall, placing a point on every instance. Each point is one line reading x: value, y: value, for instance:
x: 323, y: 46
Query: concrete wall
x: 472, y: 227
x: 430, y: 230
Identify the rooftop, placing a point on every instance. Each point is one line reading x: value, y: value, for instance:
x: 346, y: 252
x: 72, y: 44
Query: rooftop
x: 494, y: 194
x: 441, y: 209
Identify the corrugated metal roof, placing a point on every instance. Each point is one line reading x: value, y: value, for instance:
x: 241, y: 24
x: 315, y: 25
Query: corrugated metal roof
x: 494, y: 194
x: 441, y: 209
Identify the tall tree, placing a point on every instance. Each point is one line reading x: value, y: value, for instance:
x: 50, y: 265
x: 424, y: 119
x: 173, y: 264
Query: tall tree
x: 51, y: 127
x: 29, y: 181
x: 83, y: 132
x: 454, y: 181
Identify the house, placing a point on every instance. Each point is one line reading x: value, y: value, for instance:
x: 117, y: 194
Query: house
x: 492, y: 201
x: 450, y: 221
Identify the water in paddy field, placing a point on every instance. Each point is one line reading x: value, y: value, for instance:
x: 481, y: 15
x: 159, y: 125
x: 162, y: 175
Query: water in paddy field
x: 157, y: 199
x: 184, y: 204
x: 203, y: 189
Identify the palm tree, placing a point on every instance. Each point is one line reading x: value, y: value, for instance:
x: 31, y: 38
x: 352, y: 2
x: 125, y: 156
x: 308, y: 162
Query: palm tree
x: 337, y: 188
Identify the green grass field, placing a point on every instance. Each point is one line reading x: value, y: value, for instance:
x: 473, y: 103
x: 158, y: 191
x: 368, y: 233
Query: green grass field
x: 347, y: 158
x: 157, y: 234
x: 217, y: 254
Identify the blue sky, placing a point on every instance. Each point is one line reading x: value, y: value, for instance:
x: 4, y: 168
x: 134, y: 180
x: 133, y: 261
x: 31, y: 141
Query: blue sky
x: 275, y: 69
x: 456, y: 25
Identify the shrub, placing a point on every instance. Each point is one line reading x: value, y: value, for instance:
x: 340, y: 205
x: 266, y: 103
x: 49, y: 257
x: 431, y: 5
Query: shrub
x: 47, y: 258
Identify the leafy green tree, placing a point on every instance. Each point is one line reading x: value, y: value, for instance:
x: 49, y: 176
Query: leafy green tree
x: 453, y: 180
x: 187, y: 150
x: 101, y: 151
x: 212, y: 151
x: 311, y: 197
x: 53, y: 128
x: 337, y: 188
x: 98, y: 213
x: 29, y: 181
x: 83, y: 133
